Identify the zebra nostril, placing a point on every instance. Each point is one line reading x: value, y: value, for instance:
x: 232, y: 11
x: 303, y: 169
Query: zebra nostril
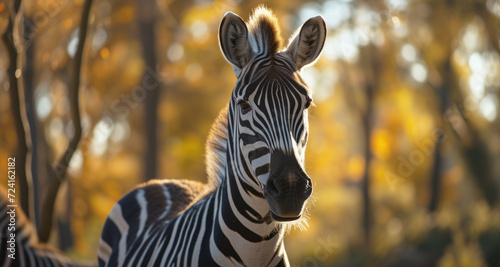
x: 271, y: 189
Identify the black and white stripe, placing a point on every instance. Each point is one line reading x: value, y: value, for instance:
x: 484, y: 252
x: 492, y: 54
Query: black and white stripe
x: 27, y: 251
x: 255, y: 158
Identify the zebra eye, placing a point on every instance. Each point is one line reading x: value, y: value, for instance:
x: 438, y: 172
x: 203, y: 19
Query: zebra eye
x: 245, y: 107
x: 308, y: 102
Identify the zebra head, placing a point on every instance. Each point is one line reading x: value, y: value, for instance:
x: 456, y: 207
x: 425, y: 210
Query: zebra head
x: 267, y: 117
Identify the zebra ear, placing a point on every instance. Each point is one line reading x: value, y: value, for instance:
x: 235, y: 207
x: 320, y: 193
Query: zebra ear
x: 233, y: 40
x: 306, y: 46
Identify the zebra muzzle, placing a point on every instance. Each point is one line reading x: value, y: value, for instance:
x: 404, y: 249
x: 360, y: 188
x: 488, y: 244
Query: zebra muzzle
x: 287, y: 188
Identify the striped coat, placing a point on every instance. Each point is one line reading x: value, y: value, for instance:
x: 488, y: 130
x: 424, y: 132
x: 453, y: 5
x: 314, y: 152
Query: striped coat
x: 255, y: 162
x: 23, y: 248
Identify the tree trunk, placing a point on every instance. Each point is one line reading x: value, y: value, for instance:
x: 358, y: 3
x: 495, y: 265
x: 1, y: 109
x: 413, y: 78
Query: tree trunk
x: 147, y: 21
x: 26, y: 83
x: 442, y: 92
x: 22, y: 149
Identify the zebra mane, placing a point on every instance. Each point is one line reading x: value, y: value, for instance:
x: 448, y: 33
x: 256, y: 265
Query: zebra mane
x: 263, y: 26
x: 215, y: 157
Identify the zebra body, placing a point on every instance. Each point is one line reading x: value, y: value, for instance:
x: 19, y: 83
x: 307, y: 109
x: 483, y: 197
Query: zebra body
x: 255, y: 159
x: 19, y: 244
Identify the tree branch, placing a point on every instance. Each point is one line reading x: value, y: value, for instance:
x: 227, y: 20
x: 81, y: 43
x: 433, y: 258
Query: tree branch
x: 62, y: 165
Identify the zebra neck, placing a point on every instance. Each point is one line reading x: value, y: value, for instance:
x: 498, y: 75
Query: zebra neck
x: 243, y: 215
x: 220, y: 165
x: 243, y: 235
x: 243, y: 229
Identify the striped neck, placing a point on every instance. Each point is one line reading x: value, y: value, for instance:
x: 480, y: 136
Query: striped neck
x: 240, y: 210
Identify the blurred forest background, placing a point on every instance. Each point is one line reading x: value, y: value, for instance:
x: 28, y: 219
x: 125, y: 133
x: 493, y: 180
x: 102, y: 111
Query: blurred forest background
x: 404, y: 146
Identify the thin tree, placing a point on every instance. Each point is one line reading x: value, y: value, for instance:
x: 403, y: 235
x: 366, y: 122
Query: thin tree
x: 146, y: 23
x: 21, y: 149
x: 62, y: 164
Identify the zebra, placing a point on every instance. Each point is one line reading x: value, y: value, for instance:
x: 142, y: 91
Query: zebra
x: 255, y: 164
x: 19, y: 244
